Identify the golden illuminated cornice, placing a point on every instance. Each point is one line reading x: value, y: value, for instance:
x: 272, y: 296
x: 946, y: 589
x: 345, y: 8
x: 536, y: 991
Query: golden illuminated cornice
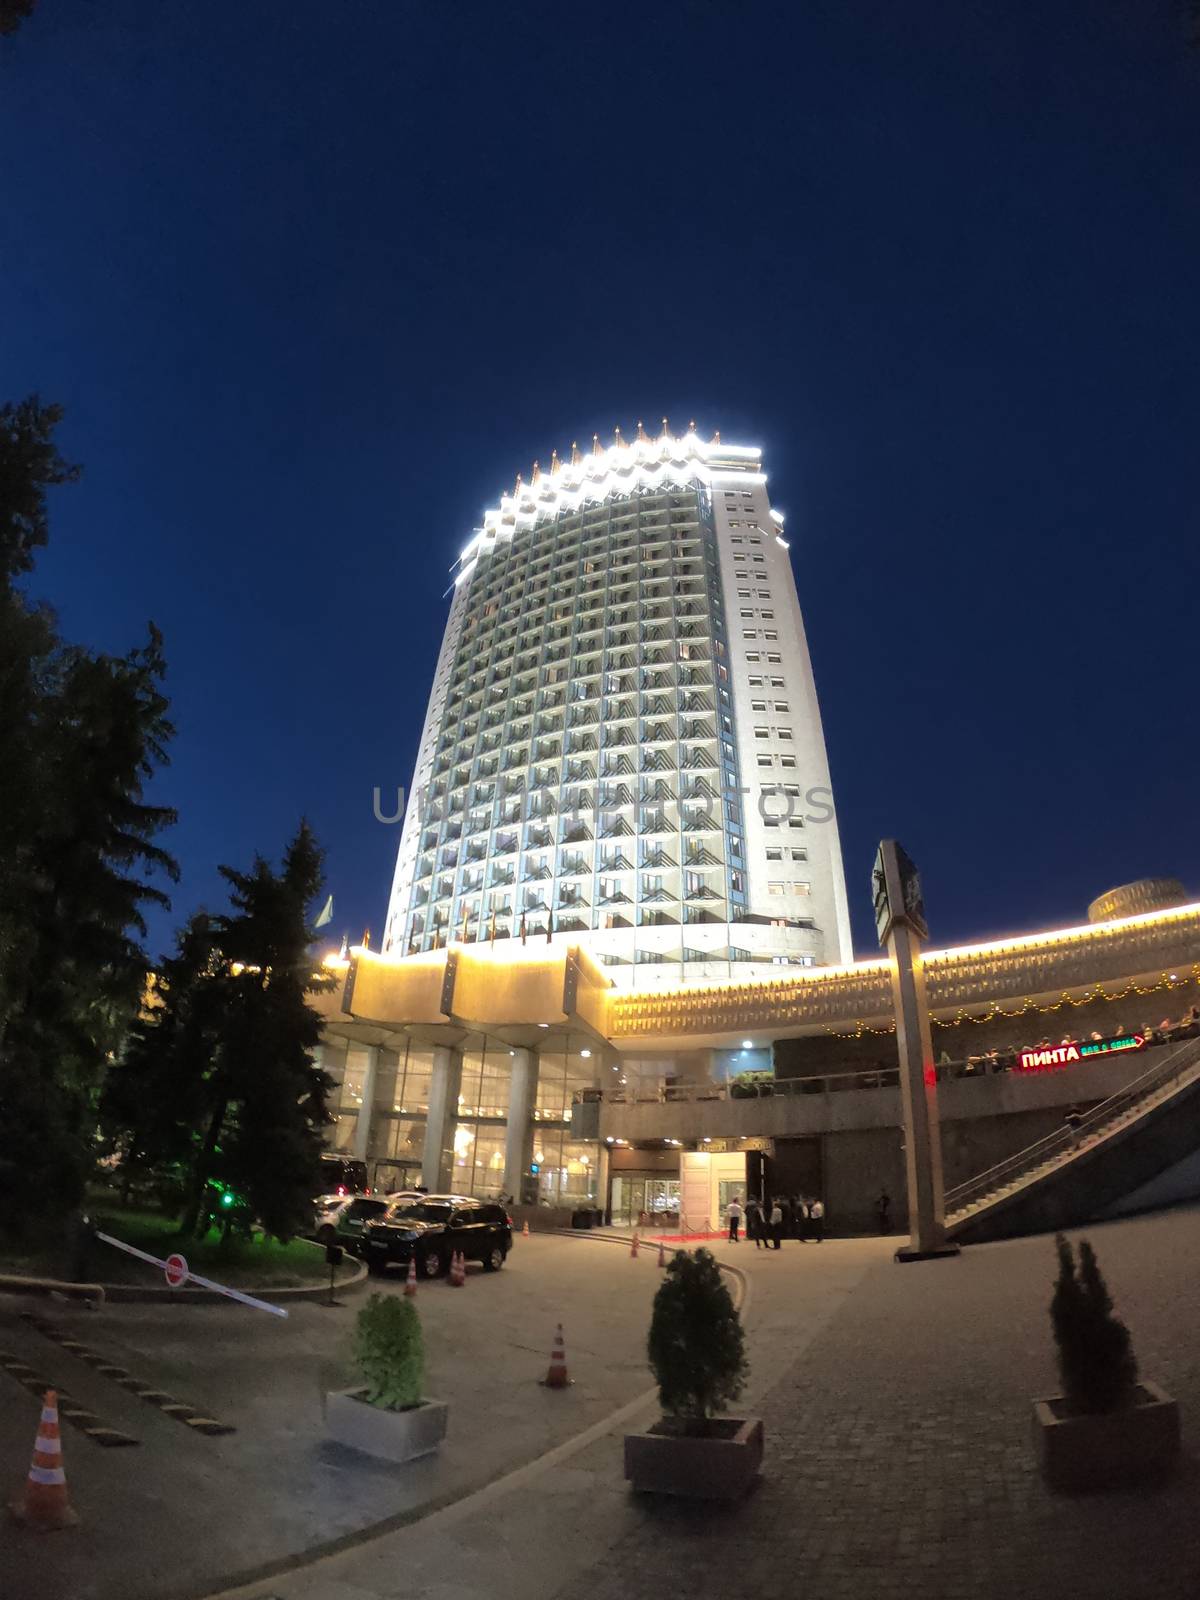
x: 1098, y: 960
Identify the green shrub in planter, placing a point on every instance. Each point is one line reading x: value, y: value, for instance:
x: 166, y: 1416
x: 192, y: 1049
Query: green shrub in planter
x: 1095, y: 1353
x: 695, y: 1345
x: 390, y: 1352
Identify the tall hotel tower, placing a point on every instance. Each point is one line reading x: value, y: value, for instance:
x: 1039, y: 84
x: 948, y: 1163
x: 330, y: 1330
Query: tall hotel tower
x: 623, y: 747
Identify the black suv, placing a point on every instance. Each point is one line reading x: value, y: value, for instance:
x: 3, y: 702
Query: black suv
x: 433, y: 1229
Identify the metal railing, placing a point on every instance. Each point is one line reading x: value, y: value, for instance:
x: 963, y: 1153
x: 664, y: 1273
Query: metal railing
x: 1150, y: 1086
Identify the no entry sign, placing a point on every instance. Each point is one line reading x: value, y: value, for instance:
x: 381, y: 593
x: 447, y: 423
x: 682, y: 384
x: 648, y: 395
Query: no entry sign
x: 176, y: 1271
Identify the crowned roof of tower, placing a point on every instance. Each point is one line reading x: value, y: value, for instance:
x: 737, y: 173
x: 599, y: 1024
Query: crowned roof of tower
x: 589, y: 477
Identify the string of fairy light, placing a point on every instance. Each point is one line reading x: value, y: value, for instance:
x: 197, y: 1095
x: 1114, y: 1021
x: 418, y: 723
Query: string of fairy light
x: 1027, y: 1008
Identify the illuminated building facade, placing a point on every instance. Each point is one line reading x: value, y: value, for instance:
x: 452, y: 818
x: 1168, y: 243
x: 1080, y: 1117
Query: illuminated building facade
x: 623, y: 747
x: 524, y: 1070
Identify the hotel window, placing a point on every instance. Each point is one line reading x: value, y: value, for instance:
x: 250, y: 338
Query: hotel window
x: 761, y: 733
x: 743, y: 594
x: 796, y: 822
x: 763, y: 594
x: 767, y: 634
x: 774, y: 853
x: 775, y: 888
x: 753, y: 656
x: 783, y: 733
x: 746, y: 616
x: 787, y: 761
x: 757, y: 705
x: 737, y: 882
x: 755, y: 683
x: 749, y: 633
x: 736, y: 539
x: 765, y: 761
x: 770, y: 615
x: 782, y: 705
x: 774, y: 661
x: 801, y: 888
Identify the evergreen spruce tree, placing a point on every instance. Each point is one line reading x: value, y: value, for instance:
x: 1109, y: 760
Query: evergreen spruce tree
x: 81, y: 736
x: 695, y: 1347
x: 1095, y: 1353
x: 248, y: 1046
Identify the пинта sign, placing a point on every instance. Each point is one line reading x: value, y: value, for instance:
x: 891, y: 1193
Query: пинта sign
x: 1051, y: 1057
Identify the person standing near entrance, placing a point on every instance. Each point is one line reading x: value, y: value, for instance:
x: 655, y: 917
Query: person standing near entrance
x: 884, y: 1208
x: 734, y: 1213
x: 777, y: 1223
x: 816, y: 1218
x: 800, y: 1208
x: 755, y: 1224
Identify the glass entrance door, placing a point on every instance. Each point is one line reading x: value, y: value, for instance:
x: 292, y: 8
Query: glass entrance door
x: 644, y: 1202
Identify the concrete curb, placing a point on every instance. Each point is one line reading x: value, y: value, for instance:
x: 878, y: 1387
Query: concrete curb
x: 9, y: 1284
x: 452, y: 1507
x: 139, y: 1294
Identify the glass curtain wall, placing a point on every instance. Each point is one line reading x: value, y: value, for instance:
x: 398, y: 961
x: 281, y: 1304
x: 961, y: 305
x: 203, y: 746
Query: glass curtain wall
x: 479, y: 1139
x: 567, y: 1168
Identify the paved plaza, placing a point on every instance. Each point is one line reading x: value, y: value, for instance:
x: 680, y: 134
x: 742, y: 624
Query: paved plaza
x: 899, y: 1456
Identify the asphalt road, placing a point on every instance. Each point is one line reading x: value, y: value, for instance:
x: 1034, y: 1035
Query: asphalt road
x: 179, y: 1511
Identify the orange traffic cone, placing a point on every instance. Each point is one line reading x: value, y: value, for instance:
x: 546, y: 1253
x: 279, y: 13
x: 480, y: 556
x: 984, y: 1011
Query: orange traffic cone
x: 556, y: 1377
x: 525, y: 1229
x: 44, y: 1505
x: 458, y: 1271
x: 410, y: 1283
x: 633, y: 1246
x: 662, y: 1254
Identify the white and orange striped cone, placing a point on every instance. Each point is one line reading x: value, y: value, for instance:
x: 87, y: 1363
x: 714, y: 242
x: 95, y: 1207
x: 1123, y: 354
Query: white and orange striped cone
x: 662, y: 1254
x: 410, y: 1282
x: 44, y: 1505
x: 556, y: 1375
x: 525, y: 1229
x: 633, y: 1245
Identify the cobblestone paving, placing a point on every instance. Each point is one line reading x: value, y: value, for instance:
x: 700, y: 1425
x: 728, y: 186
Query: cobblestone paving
x: 899, y: 1453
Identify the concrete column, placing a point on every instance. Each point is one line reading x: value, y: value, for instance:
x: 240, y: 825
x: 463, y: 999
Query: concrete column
x: 518, y: 1143
x: 602, y: 1173
x: 445, y: 1085
x: 362, y: 1129
x: 918, y: 1091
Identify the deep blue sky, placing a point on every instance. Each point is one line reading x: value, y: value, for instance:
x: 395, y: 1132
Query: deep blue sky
x: 315, y: 281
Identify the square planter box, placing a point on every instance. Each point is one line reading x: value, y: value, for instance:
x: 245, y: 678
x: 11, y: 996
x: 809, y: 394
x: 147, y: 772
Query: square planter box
x: 721, y: 1465
x: 391, y: 1435
x: 1112, y: 1450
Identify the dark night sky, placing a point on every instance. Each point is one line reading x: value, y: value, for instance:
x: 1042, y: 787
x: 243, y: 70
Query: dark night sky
x: 315, y: 281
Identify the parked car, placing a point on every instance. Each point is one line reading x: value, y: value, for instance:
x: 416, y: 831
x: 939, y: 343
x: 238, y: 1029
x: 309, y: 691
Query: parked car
x: 341, y: 1175
x: 432, y: 1228
x: 340, y: 1218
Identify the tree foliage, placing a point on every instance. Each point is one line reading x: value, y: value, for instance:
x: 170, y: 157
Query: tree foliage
x: 1095, y: 1353
x: 218, y: 1084
x: 695, y: 1345
x: 81, y: 735
x: 390, y: 1352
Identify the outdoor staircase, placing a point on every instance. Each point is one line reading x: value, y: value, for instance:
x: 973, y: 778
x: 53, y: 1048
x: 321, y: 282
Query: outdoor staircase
x: 1064, y: 1180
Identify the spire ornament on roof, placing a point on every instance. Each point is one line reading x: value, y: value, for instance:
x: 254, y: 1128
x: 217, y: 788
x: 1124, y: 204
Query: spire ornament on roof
x: 666, y: 433
x: 596, y: 450
x: 641, y: 433
x: 617, y: 439
x: 519, y: 487
x: 537, y: 473
x: 716, y: 438
x: 692, y: 425
x: 576, y: 453
x: 555, y: 463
